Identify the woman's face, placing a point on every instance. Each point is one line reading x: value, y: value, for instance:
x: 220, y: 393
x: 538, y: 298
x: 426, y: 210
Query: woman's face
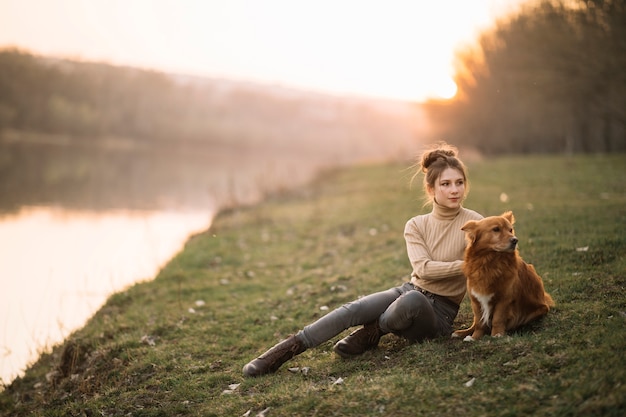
x: 449, y: 189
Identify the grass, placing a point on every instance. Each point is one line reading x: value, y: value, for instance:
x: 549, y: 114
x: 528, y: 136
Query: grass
x: 175, y: 345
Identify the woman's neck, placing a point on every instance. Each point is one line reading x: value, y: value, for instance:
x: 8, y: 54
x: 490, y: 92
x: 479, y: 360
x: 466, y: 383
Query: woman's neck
x: 444, y: 213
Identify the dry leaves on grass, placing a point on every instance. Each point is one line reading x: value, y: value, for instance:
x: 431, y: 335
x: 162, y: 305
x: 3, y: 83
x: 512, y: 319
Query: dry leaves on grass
x: 148, y: 340
x: 262, y: 413
x: 304, y: 370
x: 470, y: 382
x: 231, y: 389
x: 337, y: 381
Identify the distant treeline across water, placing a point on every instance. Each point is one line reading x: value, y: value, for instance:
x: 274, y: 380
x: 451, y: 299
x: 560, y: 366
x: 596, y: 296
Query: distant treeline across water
x: 89, y: 135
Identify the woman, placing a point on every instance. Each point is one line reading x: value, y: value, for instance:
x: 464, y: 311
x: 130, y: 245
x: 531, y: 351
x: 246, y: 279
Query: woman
x: 420, y: 309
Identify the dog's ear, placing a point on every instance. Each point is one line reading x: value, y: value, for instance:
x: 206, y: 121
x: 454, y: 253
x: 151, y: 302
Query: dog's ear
x: 470, y: 230
x: 509, y: 216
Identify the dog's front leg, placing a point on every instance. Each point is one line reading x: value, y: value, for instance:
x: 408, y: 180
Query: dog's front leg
x: 478, y: 327
x: 479, y: 332
x: 498, y: 323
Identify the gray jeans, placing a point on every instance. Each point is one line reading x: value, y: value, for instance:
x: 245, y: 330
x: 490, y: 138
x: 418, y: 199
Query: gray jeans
x: 403, y: 310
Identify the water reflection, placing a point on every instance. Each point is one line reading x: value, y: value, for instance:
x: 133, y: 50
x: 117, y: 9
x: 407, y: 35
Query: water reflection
x: 58, y: 267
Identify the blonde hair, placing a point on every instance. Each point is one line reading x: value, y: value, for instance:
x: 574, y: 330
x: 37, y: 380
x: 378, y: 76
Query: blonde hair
x: 434, y: 161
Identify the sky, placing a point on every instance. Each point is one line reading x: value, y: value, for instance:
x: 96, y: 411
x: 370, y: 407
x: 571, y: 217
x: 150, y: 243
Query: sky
x: 398, y: 49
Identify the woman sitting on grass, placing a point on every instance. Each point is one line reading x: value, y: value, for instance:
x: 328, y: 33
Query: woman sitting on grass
x: 424, y: 307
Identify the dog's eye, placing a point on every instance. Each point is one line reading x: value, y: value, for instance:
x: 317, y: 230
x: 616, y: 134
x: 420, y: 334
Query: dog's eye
x: 496, y: 229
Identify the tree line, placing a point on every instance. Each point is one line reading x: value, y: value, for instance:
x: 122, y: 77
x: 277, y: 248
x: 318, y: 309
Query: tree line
x: 43, y: 99
x: 87, y: 100
x: 549, y: 79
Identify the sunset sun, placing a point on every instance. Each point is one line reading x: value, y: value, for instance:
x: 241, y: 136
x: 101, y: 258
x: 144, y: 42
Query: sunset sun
x: 447, y: 89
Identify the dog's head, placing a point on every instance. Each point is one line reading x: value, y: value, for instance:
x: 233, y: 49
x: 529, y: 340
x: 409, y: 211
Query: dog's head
x: 493, y: 233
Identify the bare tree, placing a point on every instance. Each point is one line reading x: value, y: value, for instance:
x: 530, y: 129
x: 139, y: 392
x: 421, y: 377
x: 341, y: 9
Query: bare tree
x: 548, y: 79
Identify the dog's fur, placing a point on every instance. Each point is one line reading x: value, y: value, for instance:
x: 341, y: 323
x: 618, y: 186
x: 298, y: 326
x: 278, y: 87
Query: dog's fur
x: 505, y: 291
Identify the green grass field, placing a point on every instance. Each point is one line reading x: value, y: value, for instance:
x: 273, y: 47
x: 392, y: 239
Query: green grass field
x: 176, y: 345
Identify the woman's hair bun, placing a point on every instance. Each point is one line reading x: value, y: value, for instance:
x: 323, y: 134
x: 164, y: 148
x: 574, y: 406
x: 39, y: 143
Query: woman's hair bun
x: 442, y: 151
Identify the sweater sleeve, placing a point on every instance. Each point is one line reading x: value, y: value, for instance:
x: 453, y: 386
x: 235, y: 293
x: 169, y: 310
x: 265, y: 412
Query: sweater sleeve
x: 424, y: 267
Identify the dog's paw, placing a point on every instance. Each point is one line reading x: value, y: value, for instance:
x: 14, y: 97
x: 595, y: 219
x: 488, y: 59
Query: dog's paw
x: 469, y: 339
x: 454, y: 335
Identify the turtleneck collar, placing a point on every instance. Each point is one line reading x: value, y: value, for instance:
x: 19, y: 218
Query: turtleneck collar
x: 444, y: 213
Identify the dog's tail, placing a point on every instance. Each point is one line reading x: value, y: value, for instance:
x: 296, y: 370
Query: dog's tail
x: 548, y: 299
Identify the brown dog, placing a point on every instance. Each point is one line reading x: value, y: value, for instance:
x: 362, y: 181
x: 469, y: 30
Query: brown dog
x: 505, y: 291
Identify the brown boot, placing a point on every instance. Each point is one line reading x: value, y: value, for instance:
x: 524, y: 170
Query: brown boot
x: 359, y: 341
x: 270, y: 361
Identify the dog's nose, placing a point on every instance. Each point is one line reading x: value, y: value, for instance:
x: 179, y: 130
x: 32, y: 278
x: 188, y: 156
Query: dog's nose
x: 514, y: 240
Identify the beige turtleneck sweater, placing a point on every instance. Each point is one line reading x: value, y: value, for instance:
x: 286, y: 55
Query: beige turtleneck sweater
x: 435, y: 244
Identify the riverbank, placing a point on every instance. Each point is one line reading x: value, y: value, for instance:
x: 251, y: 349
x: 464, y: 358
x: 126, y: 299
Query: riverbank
x: 176, y: 345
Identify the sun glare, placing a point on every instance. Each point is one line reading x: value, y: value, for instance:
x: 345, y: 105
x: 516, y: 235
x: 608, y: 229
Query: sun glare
x: 419, y: 87
x: 447, y: 90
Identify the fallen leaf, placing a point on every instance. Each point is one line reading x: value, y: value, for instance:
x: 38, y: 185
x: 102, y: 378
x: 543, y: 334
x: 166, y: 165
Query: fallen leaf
x: 304, y: 370
x: 148, y: 340
x: 263, y: 413
x: 470, y: 382
x: 338, y: 381
x: 231, y: 389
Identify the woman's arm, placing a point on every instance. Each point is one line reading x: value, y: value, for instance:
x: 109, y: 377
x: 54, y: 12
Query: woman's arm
x: 424, y: 266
